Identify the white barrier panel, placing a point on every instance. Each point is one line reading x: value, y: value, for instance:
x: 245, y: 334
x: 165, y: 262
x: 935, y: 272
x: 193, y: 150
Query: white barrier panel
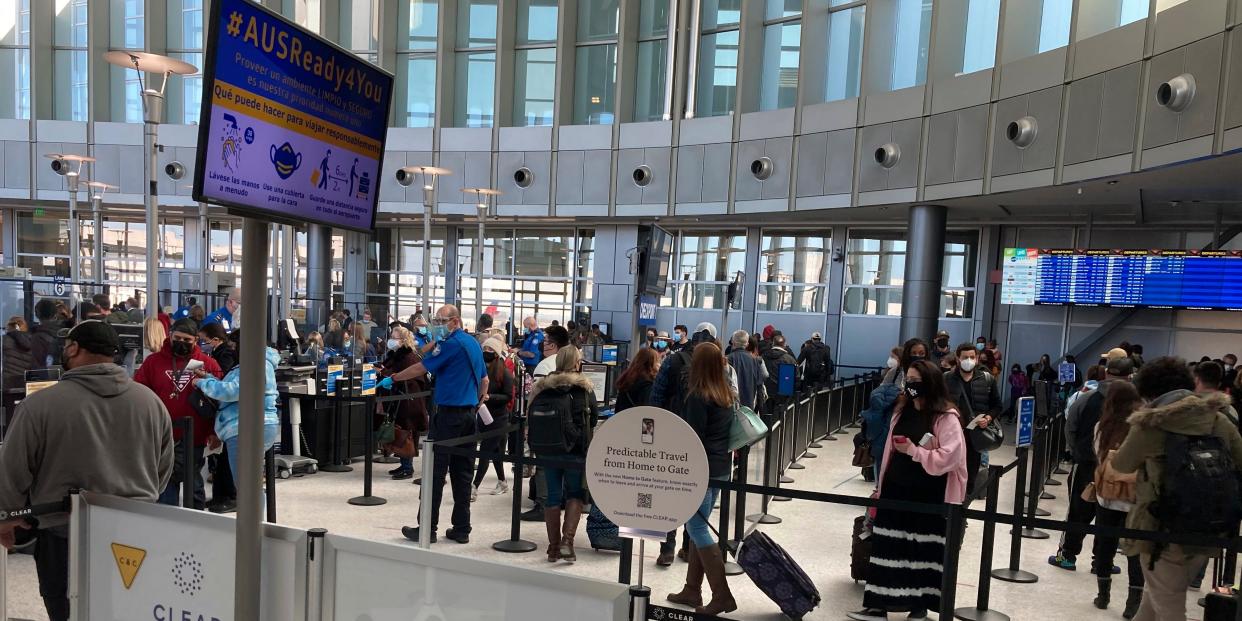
x: 369, y: 581
x: 135, y: 561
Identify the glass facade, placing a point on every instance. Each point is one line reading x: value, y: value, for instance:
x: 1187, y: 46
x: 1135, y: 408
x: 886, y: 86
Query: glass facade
x: 651, y: 81
x: 534, y: 65
x: 843, y: 68
x: 793, y: 271
x: 543, y: 273
x: 474, y: 96
x: 911, y: 37
x: 595, y: 64
x: 415, y: 105
x: 69, y: 73
x: 782, y: 40
x: 704, y: 265
x: 1099, y: 16
x: 125, y: 32
x: 185, y: 42
x: 15, y: 58
x: 875, y: 273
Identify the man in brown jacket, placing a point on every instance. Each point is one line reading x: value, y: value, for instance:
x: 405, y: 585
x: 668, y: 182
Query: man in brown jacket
x: 1173, y: 408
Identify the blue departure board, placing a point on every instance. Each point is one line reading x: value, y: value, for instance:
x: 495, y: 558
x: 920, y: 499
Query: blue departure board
x: 1173, y: 279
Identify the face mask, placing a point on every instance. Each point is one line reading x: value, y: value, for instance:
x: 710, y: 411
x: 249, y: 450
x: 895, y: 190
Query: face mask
x: 979, y: 346
x: 914, y: 358
x: 206, y: 347
x: 1228, y: 367
x: 439, y: 332
x: 393, y: 344
x: 914, y: 390
x: 892, y: 362
x: 967, y: 364
x: 181, y: 348
x: 489, y: 357
x: 942, y: 342
x: 347, y: 344
x: 422, y: 330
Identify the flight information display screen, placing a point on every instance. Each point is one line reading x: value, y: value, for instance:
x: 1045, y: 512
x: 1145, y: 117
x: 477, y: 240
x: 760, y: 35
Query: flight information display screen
x: 1175, y: 279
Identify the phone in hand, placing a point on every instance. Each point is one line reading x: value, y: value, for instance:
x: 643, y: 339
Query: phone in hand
x: 900, y: 439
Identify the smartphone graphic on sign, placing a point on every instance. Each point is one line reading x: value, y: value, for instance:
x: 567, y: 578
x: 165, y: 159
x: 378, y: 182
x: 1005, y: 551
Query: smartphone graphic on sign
x: 648, y: 431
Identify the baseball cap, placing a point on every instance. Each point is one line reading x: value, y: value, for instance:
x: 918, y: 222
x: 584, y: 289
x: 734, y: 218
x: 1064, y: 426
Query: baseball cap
x: 1121, y: 367
x: 942, y: 333
x: 706, y: 326
x: 1116, y: 353
x: 815, y: 336
x: 94, y: 336
x: 186, y: 326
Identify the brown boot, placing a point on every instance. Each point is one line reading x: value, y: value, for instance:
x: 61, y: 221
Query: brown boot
x: 573, y: 513
x: 552, y: 518
x: 692, y: 594
x: 714, y: 570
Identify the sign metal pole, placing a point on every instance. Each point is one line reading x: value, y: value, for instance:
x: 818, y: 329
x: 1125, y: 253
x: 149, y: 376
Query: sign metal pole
x: 249, y: 556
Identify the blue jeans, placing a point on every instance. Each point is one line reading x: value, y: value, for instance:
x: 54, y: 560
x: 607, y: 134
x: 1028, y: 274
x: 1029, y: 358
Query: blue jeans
x: 563, y: 483
x: 271, y: 433
x: 700, y: 533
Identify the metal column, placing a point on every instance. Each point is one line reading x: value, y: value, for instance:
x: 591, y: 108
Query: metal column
x: 920, y: 295
x: 318, y: 274
x: 248, y: 573
x: 149, y: 128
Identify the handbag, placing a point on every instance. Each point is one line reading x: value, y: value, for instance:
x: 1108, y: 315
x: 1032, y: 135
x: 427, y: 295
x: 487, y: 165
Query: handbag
x: 1089, y: 493
x: 988, y: 438
x: 203, y: 405
x: 862, y: 456
x: 387, y: 431
x: 1112, y: 485
x: 402, y: 444
x: 746, y: 428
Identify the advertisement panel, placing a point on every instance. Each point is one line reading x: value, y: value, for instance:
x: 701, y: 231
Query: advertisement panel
x: 292, y: 127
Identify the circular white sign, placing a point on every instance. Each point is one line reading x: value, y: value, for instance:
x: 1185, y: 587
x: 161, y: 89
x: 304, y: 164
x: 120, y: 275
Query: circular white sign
x: 647, y: 471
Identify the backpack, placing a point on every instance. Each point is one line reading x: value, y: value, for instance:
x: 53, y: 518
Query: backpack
x: 675, y: 396
x: 551, y: 429
x: 1199, y: 494
x: 819, y: 364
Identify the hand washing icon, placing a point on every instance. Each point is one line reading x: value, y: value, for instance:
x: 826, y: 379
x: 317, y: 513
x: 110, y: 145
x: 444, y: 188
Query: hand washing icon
x: 285, y: 160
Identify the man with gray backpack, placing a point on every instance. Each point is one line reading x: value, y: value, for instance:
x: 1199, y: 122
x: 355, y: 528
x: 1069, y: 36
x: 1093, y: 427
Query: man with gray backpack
x: 1188, y: 455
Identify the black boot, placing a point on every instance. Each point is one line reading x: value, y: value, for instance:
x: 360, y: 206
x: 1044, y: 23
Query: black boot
x: 1133, y: 599
x: 1105, y: 586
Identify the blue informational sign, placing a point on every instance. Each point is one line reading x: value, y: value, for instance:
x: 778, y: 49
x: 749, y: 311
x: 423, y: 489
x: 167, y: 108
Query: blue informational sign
x: 608, y: 354
x: 292, y: 127
x: 647, y: 305
x: 1026, y: 420
x: 1067, y: 373
x: 785, y: 385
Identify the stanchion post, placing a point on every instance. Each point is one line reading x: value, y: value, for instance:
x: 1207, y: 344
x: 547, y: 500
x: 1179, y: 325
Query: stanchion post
x: 314, y: 572
x: 1014, y: 573
x: 952, y: 549
x: 639, y: 597
x: 627, y: 560
x: 424, y: 495
x: 739, y: 513
x: 1036, y: 489
x: 188, y: 475
x: 366, y: 499
x: 830, y: 429
x: 515, y: 543
x: 771, y: 475
x: 980, y: 611
x: 4, y: 584
x: 269, y: 484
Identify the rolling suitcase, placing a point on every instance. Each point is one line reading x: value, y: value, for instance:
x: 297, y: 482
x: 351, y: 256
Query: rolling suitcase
x: 601, y: 531
x: 776, y: 574
x: 1219, y: 607
x: 860, y: 550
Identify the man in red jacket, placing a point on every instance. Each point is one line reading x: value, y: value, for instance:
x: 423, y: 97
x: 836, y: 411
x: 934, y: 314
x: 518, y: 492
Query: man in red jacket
x: 168, y: 373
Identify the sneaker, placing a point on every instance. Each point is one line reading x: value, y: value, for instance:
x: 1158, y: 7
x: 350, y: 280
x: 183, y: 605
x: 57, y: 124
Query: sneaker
x: 502, y: 488
x: 459, y: 537
x: 868, y: 614
x: 1116, y: 569
x: 411, y: 533
x: 401, y: 475
x: 1064, y: 562
x: 665, y: 559
x: 474, y: 493
x: 918, y: 613
x: 418, y: 481
x: 224, y: 505
x: 396, y: 470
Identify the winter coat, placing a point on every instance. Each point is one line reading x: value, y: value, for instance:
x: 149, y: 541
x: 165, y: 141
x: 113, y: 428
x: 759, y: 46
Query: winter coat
x: 878, y: 415
x: 228, y: 392
x: 580, y: 389
x: 712, y: 423
x: 816, y: 359
x: 500, y: 394
x: 46, y: 334
x: 750, y: 376
x: 979, y: 397
x: 949, y: 459
x: 169, y: 379
x: 772, y: 360
x: 1180, y: 411
x: 23, y: 352
x: 639, y: 393
x: 411, y: 413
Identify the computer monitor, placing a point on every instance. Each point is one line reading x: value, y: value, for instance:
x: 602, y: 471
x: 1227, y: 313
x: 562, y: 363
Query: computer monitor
x: 600, y: 379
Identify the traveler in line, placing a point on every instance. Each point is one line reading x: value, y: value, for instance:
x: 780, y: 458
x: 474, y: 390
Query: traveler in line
x: 228, y: 392
x: 50, y: 323
x: 23, y: 352
x: 569, y: 400
x: 681, y: 338
x: 482, y: 328
x: 1209, y: 378
x: 168, y: 374
x: 879, y: 413
x: 750, y: 371
x: 1198, y: 424
x: 941, y: 347
x: 95, y: 429
x: 1019, y: 384
x: 912, y: 351
x: 1114, y: 500
x: 709, y: 411
x: 773, y: 359
x: 411, y: 414
x: 907, y: 549
x: 815, y: 360
x: 978, y: 402
x: 634, y: 385
x: 499, y: 403
x: 1230, y: 363
x: 553, y: 340
x: 461, y: 382
x: 216, y: 343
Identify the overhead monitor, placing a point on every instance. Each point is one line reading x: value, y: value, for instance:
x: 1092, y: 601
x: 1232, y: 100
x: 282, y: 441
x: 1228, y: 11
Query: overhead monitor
x: 291, y: 127
x: 1167, y: 279
x: 657, y: 259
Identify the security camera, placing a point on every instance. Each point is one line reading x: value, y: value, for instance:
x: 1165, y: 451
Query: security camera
x: 523, y: 177
x: 1178, y: 93
x: 761, y: 168
x: 405, y: 177
x: 174, y: 170
x: 60, y: 166
x: 887, y: 155
x: 1022, y: 132
x: 642, y: 176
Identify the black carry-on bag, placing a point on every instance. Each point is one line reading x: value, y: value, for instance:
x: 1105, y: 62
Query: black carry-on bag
x: 860, y: 550
x: 776, y: 574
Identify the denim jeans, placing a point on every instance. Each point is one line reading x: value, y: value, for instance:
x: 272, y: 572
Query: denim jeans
x: 700, y: 533
x: 564, y: 483
x: 271, y: 433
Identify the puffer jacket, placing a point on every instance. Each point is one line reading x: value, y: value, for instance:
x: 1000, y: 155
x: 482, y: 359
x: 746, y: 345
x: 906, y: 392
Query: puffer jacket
x: 23, y: 352
x: 1180, y: 411
x: 582, y: 392
x: 877, y: 416
x: 979, y: 397
x: 228, y: 391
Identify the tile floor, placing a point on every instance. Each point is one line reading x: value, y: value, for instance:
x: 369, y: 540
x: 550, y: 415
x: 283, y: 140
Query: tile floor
x: 816, y: 535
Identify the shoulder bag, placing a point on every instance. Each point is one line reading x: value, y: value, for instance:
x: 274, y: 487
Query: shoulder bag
x: 746, y: 428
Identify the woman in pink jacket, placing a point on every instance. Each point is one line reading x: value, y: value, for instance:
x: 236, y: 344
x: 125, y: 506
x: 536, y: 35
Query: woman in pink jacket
x: 924, y: 461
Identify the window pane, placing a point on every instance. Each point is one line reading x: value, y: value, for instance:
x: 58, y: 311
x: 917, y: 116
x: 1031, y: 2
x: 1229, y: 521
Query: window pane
x: 15, y: 70
x: 1054, y: 25
x: 717, y: 13
x: 126, y: 95
x: 875, y: 259
x: 711, y: 257
x: 125, y: 25
x: 1098, y: 16
x: 776, y: 9
x: 70, y: 23
x: 185, y: 24
x: 586, y: 254
x: 845, y: 37
x: 595, y: 84
x: 476, y: 84
x: 779, y: 88
x: 71, y: 85
x: 872, y: 301
x: 652, y: 76
x: 539, y: 254
x: 422, y: 17
x: 910, y: 43
x: 982, y: 22
x: 717, y: 80
x: 597, y: 20
x: 1162, y: 5
x: 652, y: 18
x: 957, y: 303
x: 185, y: 93
x: 420, y: 91
x: 535, y: 81
x: 15, y: 22
x: 536, y: 21
x: 794, y: 257
x: 42, y: 234
x: 476, y: 23
x: 358, y: 25
x: 792, y: 298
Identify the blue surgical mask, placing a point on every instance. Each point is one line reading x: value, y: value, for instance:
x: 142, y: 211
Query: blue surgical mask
x: 979, y: 346
x: 439, y: 333
x: 393, y: 344
x: 422, y: 330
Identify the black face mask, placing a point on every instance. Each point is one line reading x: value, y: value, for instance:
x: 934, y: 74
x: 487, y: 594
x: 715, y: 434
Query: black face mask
x: 914, y: 390
x: 914, y: 358
x: 489, y: 357
x: 181, y: 348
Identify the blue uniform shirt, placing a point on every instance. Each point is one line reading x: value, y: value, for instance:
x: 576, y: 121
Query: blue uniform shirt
x: 457, y: 363
x: 533, y: 343
x: 221, y: 316
x: 421, y: 341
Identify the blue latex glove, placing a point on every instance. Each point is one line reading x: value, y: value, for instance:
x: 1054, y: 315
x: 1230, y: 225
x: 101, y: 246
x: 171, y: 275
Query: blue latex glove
x: 386, y: 383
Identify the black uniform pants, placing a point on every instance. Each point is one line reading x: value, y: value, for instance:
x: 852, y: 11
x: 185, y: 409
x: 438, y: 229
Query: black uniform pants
x: 448, y: 423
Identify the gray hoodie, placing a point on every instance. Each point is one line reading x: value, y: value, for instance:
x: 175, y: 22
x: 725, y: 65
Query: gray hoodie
x: 95, y: 430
